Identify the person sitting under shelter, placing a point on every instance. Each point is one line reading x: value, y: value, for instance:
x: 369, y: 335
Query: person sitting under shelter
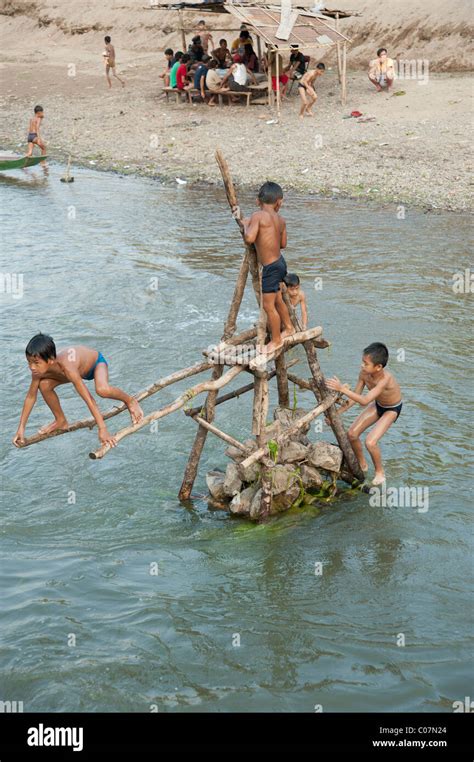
x: 297, y: 65
x: 199, y: 79
x: 222, y: 55
x: 214, y: 82
x: 196, y: 50
x: 238, y: 76
x: 382, y: 71
x: 240, y: 42
x: 275, y: 63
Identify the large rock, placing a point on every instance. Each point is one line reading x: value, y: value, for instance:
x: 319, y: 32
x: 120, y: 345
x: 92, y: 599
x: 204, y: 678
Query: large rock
x: 241, y: 503
x: 292, y: 452
x: 287, y: 417
x: 280, y: 502
x: 239, y: 455
x: 250, y: 473
x: 232, y: 480
x: 310, y: 477
x: 324, y: 455
x: 283, y: 478
x: 215, y: 484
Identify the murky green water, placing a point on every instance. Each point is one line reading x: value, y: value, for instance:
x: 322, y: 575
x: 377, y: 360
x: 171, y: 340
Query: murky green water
x: 83, y: 569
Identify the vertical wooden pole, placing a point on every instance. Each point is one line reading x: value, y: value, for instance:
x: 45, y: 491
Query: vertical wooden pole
x: 282, y: 381
x: 338, y: 50
x: 269, y: 77
x: 344, y: 69
x: 277, y: 59
x: 181, y: 27
x: 266, y: 474
x: 259, y: 52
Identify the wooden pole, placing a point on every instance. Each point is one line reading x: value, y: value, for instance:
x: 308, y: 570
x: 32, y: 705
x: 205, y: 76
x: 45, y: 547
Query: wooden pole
x: 277, y: 60
x: 221, y: 434
x: 282, y: 381
x: 269, y: 77
x: 266, y: 472
x: 338, y: 50
x: 181, y: 401
x: 181, y: 27
x: 344, y: 69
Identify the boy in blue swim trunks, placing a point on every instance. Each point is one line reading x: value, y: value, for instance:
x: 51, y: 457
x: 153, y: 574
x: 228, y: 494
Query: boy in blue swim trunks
x: 72, y: 365
x: 383, y: 404
x: 34, y: 138
x: 267, y: 230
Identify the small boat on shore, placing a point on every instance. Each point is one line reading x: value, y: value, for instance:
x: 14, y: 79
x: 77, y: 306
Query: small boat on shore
x: 13, y: 161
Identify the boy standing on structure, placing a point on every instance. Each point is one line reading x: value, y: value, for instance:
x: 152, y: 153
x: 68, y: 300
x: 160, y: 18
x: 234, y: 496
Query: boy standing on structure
x: 267, y: 230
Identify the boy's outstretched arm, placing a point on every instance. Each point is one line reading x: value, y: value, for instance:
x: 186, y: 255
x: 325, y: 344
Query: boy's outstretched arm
x: 350, y: 403
x: 82, y: 390
x: 364, y: 400
x: 28, y: 406
x: 283, y: 238
x: 251, y: 228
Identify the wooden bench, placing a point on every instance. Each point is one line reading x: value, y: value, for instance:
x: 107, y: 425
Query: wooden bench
x: 177, y: 93
x: 231, y: 93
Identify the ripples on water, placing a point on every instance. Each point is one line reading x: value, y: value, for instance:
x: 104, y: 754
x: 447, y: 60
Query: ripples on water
x: 84, y: 568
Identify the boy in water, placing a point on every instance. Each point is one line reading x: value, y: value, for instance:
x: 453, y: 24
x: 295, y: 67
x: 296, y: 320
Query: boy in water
x: 109, y: 60
x: 267, y: 230
x: 306, y: 90
x: 34, y: 137
x: 383, y: 402
x: 297, y: 296
x: 72, y: 365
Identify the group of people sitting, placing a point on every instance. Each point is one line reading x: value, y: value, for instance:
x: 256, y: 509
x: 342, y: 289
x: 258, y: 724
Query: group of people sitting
x: 212, y: 70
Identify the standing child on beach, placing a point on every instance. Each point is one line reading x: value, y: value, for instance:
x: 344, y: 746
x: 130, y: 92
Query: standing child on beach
x: 72, y: 365
x: 267, y: 230
x: 297, y: 297
x: 383, y: 402
x: 34, y: 137
x: 109, y: 60
x: 306, y: 90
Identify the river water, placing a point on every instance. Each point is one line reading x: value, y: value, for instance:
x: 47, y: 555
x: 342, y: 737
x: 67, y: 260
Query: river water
x: 238, y: 617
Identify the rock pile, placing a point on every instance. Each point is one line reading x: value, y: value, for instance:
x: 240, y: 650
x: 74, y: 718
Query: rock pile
x: 298, y: 463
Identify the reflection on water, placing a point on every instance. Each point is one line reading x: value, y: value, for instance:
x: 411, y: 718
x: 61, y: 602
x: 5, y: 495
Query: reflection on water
x: 88, y: 252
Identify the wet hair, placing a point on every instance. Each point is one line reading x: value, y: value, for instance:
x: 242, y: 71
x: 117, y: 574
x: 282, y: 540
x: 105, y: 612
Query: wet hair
x: 321, y: 67
x: 178, y: 55
x: 378, y: 353
x: 38, y: 109
x: 185, y: 58
x: 107, y: 39
x: 291, y: 279
x: 213, y: 64
x: 381, y: 50
x: 42, y: 346
x: 168, y: 52
x: 270, y: 193
x: 221, y: 41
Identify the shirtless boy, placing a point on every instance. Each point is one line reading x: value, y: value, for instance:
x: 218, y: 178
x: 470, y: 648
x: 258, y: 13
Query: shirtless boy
x: 383, y: 405
x: 34, y: 137
x: 109, y: 60
x: 72, y: 365
x: 205, y: 35
x: 306, y: 90
x: 297, y: 297
x: 267, y: 230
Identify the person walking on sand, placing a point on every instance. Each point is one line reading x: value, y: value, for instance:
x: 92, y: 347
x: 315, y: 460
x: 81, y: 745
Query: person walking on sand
x: 381, y: 71
x: 306, y: 90
x: 34, y: 137
x: 109, y: 60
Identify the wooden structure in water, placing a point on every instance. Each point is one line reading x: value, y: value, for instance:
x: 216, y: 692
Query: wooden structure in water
x: 233, y: 355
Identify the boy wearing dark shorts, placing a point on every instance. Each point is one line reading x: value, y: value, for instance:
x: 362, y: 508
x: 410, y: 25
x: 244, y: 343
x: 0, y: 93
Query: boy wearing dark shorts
x: 267, y: 230
x: 382, y: 403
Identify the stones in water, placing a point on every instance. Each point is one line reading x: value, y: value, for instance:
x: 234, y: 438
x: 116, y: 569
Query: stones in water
x: 215, y: 484
x: 232, y: 481
x: 325, y: 455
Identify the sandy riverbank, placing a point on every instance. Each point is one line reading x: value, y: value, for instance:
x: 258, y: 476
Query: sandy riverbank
x: 415, y: 151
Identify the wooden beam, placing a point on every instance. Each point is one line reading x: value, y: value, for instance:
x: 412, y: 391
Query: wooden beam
x: 300, y: 337
x: 221, y: 434
x: 181, y: 401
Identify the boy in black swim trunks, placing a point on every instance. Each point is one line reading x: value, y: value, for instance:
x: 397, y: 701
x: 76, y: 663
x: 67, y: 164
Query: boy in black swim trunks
x: 267, y: 230
x: 72, y: 365
x: 34, y: 138
x: 306, y: 90
x: 383, y: 405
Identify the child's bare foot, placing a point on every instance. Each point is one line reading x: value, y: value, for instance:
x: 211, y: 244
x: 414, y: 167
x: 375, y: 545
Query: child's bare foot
x: 364, y: 466
x: 136, y: 413
x: 287, y: 332
x: 378, y: 479
x: 59, y: 425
